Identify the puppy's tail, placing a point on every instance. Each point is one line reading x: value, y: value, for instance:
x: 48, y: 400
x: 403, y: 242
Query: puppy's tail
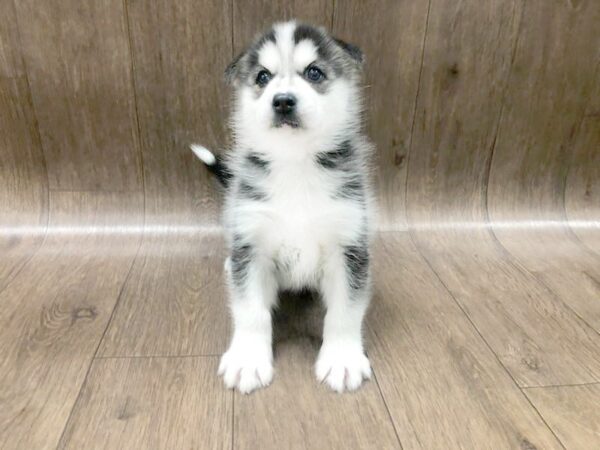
x: 213, y: 162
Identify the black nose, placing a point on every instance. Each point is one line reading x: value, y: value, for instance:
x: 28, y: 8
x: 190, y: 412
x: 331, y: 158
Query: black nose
x: 284, y: 103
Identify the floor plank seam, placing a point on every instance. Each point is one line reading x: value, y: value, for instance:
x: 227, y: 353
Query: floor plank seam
x: 93, y: 358
x: 550, y: 386
x: 98, y: 191
x: 207, y: 355
x: 232, y: 419
x: 569, y: 307
x: 484, y: 340
x: 520, y: 267
x: 387, y: 408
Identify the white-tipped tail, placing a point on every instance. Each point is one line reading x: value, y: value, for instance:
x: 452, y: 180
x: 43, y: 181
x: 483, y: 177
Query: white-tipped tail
x: 204, y: 154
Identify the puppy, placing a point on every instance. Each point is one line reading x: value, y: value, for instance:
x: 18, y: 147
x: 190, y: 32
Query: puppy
x: 298, y: 203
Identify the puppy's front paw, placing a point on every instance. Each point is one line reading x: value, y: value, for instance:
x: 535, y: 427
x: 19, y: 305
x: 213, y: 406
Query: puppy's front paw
x: 342, y: 366
x: 247, y: 367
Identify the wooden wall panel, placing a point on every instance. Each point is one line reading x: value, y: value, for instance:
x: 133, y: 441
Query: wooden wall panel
x: 79, y: 66
x: 180, y: 51
x: 554, y: 79
x: 23, y: 180
x: 393, y: 50
x: 582, y: 192
x: 467, y: 59
x: 466, y: 77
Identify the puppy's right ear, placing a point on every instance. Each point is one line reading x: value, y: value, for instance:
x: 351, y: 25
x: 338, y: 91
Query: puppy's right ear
x: 232, y: 71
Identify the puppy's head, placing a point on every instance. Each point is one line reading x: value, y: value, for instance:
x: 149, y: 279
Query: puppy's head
x: 296, y: 79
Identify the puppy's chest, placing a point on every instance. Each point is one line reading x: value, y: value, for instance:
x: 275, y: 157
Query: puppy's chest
x: 300, y: 205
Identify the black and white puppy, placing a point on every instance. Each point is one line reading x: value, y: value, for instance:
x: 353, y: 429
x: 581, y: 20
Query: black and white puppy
x: 299, y: 199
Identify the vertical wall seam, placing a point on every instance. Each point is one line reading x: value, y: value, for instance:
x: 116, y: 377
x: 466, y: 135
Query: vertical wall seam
x: 136, y: 113
x: 490, y: 159
x: 414, y: 118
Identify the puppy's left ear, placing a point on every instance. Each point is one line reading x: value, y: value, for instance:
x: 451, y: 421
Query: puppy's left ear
x: 352, y: 50
x: 233, y: 69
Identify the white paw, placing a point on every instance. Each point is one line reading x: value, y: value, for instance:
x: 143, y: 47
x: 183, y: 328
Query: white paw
x: 247, y: 367
x: 342, y: 366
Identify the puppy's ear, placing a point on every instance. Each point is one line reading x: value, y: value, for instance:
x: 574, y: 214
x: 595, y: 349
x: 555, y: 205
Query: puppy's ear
x: 233, y: 69
x: 352, y: 50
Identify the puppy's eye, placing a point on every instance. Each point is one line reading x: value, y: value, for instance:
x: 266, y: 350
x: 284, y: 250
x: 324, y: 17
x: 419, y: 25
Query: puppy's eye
x: 314, y: 74
x: 263, y: 78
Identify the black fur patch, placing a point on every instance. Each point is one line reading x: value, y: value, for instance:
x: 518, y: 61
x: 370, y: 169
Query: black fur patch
x: 256, y: 160
x: 351, y: 189
x: 246, y: 190
x: 335, y: 159
x: 241, y: 256
x: 255, y: 49
x: 247, y: 58
x: 357, y: 265
x: 352, y: 50
x: 220, y: 169
x: 320, y: 39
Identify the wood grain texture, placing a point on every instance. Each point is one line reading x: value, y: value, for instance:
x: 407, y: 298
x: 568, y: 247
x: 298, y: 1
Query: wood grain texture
x: 11, y: 63
x: 393, y: 52
x: 79, y: 68
x: 23, y: 196
x: 181, y: 99
x: 552, y: 80
x: 554, y: 70
x: 572, y: 412
x: 537, y: 337
x: 54, y: 313
x: 582, y: 192
x: 470, y: 47
x: 23, y: 180
x: 174, y: 302
x: 297, y: 412
x: 151, y: 403
x: 442, y: 384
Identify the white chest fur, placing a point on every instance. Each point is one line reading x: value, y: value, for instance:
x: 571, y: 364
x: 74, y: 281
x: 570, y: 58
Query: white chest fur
x: 300, y: 221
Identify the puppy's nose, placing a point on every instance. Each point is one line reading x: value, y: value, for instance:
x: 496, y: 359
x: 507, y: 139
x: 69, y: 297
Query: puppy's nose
x: 284, y: 103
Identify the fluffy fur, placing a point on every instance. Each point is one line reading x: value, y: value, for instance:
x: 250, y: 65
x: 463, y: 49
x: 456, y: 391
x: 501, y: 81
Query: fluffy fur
x: 298, y: 202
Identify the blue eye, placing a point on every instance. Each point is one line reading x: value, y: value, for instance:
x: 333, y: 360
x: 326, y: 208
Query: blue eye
x: 263, y: 78
x: 314, y: 74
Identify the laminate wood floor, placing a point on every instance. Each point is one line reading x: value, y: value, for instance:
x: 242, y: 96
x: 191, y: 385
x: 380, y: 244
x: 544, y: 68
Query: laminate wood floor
x: 109, y: 341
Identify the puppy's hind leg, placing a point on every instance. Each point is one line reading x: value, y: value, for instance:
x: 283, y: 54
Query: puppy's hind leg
x: 345, y: 288
x: 248, y: 363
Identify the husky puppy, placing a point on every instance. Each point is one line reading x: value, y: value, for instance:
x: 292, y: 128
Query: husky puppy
x: 298, y: 203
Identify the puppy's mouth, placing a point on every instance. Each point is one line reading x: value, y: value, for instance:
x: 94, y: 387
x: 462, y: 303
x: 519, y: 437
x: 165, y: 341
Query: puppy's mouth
x: 282, y: 120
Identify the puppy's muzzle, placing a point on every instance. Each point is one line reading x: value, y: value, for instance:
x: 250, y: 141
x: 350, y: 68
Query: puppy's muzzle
x: 284, y: 104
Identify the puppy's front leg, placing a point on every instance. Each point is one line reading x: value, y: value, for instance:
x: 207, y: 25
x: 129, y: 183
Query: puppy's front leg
x: 248, y: 363
x: 345, y: 288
